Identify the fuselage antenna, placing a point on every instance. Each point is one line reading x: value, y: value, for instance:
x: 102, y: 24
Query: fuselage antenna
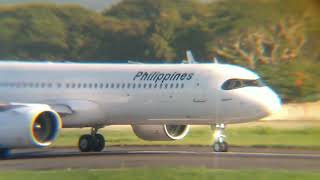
x: 215, y: 60
x: 190, y: 58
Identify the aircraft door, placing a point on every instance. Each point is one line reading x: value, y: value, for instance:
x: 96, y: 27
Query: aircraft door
x: 200, y: 88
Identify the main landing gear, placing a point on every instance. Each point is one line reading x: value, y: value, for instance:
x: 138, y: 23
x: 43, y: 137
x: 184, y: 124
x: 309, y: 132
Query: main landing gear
x: 91, y: 142
x: 219, y: 143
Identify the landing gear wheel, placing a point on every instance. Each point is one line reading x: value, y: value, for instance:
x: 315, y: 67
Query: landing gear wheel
x: 219, y: 143
x: 86, y: 143
x: 92, y: 142
x: 220, y: 146
x: 99, y: 143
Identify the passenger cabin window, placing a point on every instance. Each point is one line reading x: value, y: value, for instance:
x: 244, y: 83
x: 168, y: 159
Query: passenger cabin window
x: 240, y: 83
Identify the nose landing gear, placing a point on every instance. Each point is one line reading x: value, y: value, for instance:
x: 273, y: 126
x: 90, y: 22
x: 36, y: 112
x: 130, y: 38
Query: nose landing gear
x: 91, y: 142
x: 219, y: 143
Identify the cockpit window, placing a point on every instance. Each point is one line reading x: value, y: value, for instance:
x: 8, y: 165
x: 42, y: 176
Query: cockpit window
x: 240, y: 83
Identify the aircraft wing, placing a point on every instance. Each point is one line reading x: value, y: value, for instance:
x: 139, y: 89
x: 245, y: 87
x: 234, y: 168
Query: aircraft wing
x: 62, y: 109
x: 72, y: 106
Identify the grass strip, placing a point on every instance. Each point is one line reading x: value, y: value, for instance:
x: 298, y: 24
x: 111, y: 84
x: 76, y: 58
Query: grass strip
x: 253, y: 136
x: 161, y: 173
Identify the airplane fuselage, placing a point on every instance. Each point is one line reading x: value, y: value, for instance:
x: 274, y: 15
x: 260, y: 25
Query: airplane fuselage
x: 109, y: 94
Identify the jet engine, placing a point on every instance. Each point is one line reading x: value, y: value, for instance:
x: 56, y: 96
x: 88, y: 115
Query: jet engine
x: 161, y: 132
x: 28, y: 125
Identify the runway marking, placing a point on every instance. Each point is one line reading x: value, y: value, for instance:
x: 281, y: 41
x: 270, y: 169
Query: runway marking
x: 73, y: 153
x: 228, y: 153
x: 134, y: 157
x: 239, y: 154
x: 275, y: 154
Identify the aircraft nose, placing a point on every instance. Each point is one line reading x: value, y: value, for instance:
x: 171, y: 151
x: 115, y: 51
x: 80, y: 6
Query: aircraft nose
x: 271, y: 102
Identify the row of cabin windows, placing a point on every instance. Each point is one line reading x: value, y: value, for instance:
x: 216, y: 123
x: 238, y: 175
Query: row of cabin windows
x: 92, y: 85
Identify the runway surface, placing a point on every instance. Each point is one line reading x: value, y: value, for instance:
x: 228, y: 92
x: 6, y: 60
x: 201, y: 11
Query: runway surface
x: 161, y: 156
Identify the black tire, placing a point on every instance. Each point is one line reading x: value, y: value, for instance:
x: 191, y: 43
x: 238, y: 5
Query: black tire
x: 99, y: 143
x: 224, y: 146
x: 220, y: 147
x: 86, y: 143
x: 216, y: 147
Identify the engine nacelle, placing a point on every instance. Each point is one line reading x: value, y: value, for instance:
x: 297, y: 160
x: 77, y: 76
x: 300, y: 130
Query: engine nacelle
x: 161, y: 132
x: 28, y: 125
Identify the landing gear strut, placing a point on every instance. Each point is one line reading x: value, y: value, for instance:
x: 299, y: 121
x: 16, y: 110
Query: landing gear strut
x: 219, y: 143
x: 91, y: 142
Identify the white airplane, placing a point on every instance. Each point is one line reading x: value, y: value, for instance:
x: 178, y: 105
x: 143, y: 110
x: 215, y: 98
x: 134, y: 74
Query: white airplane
x: 160, y: 101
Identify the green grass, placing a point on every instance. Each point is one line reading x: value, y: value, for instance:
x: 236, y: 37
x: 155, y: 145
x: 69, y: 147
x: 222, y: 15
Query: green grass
x: 240, y: 136
x: 262, y: 136
x: 166, y: 173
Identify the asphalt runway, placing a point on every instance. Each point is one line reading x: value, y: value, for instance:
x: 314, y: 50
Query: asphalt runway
x: 162, y: 156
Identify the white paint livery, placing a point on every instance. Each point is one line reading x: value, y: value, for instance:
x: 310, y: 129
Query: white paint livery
x: 96, y: 95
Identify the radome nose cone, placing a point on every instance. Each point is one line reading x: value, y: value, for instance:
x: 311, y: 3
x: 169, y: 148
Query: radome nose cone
x: 274, y: 108
x: 273, y: 102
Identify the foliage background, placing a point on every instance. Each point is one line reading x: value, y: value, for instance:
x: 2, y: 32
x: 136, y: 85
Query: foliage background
x: 277, y: 38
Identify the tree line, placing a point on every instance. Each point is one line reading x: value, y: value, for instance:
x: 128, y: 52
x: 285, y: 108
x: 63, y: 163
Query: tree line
x: 276, y: 38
